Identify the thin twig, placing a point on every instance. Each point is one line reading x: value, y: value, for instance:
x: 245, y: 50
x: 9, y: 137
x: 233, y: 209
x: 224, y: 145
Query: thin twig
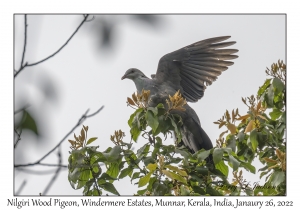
x: 84, y: 116
x: 54, y: 165
x: 21, y: 187
x: 50, y: 56
x: 55, y: 175
x: 25, y: 41
x: 29, y: 171
x: 22, y: 109
x: 19, y: 137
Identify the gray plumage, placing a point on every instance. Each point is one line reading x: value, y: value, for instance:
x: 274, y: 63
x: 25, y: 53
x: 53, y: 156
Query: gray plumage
x: 190, y: 70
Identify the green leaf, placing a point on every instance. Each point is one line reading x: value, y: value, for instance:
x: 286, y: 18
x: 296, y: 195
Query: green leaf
x: 270, y: 97
x: 263, y: 174
x: 253, y: 139
x: 135, y: 132
x: 113, y: 154
x: 158, y: 141
x: 235, y: 163
x: 283, y: 117
x: 85, y: 175
x: 221, y: 166
x: 199, y: 190
x: 28, y: 122
x: 184, y: 153
x: 80, y: 184
x: 177, y: 133
x: 133, y: 116
x: 152, y: 180
x: 152, y: 167
x: 135, y: 175
x: 125, y: 172
x: 143, y: 151
x: 153, y: 109
x: 217, y: 155
x: 277, y: 178
x: 152, y: 120
x: 109, y: 187
x: 178, y: 170
x: 95, y: 192
x: 144, y: 180
x: 167, y: 149
x: 113, y: 170
x: 264, y: 87
x: 155, y: 152
x: 231, y: 143
x: 160, y: 188
x: 248, y: 167
x: 184, y: 191
x: 141, y: 192
x: 164, y: 125
x: 275, y: 114
x: 278, y: 85
x: 160, y: 105
x: 148, y: 160
x: 241, y: 136
x: 173, y: 176
x: 91, y: 140
x: 202, y: 170
x: 202, y: 154
x: 105, y: 176
x: 74, y: 175
x: 211, y: 191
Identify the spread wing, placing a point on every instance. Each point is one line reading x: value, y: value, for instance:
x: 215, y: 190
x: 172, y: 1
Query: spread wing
x: 195, y: 66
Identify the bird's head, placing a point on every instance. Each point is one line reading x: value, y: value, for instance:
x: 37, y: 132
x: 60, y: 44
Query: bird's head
x: 133, y: 74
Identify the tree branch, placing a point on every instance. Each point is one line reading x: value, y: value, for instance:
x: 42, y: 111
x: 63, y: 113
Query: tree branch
x: 50, y: 56
x: 25, y: 41
x: 19, y: 137
x: 21, y: 187
x: 56, y: 173
x: 24, y: 170
x: 54, y: 165
x: 84, y: 116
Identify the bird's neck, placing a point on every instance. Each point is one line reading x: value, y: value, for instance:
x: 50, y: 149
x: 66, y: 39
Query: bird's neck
x: 140, y: 84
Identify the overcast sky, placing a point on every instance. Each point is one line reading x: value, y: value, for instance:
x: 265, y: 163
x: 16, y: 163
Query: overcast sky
x: 84, y: 77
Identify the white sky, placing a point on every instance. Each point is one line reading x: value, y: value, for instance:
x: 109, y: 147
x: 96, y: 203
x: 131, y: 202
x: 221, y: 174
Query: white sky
x: 85, y: 78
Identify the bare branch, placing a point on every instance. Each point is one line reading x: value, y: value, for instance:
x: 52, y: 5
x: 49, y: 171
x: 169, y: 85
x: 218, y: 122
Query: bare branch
x: 19, y: 137
x: 55, y: 175
x: 25, y: 40
x: 21, y: 188
x: 23, y: 108
x: 80, y: 121
x: 54, y: 165
x: 44, y: 172
x: 50, y: 56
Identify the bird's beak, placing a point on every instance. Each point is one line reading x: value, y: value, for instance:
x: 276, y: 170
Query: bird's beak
x: 124, y: 77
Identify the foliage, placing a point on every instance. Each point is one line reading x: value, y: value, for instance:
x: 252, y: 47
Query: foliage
x: 160, y: 169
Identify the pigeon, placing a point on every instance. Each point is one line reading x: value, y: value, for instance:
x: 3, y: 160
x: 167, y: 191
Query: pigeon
x: 190, y: 70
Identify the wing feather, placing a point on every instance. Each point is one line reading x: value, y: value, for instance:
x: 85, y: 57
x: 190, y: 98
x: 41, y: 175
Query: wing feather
x: 196, y: 66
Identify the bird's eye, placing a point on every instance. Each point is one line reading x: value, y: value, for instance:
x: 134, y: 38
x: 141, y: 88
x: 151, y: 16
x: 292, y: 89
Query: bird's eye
x: 132, y: 71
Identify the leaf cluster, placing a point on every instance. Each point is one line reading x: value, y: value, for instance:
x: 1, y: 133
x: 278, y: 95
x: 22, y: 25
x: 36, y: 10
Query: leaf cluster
x: 261, y: 132
x: 160, y: 169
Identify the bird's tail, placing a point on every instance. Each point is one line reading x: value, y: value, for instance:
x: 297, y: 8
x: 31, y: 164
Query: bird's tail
x: 196, y: 140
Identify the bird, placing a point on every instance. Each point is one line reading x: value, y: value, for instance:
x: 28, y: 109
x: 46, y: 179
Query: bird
x: 190, y: 70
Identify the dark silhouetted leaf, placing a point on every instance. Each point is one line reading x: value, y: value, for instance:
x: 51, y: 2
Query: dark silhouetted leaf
x: 28, y: 122
x: 109, y: 187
